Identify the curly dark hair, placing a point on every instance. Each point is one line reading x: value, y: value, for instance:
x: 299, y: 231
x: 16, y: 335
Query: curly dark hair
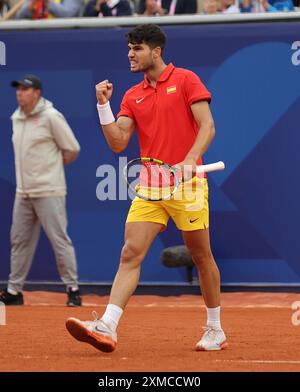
x: 149, y: 34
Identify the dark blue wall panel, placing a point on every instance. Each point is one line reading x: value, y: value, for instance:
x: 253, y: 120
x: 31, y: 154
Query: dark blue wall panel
x: 256, y: 105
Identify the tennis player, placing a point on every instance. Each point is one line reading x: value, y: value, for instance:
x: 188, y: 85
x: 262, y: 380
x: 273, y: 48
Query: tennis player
x: 170, y: 109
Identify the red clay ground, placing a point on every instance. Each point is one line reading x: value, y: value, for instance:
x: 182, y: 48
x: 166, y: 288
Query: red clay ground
x: 155, y: 334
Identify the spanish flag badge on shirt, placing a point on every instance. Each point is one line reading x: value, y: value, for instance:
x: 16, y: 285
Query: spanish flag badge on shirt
x: 171, y: 89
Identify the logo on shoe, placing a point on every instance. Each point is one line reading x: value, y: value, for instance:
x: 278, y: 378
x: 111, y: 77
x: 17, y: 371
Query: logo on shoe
x: 102, y: 331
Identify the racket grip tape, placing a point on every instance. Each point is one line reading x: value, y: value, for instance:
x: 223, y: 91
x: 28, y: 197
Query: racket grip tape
x: 210, y: 167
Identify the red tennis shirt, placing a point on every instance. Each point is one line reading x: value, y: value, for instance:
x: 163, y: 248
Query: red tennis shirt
x: 166, y: 127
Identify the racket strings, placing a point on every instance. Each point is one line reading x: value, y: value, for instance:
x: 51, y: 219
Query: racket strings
x: 151, y: 180
x: 153, y: 175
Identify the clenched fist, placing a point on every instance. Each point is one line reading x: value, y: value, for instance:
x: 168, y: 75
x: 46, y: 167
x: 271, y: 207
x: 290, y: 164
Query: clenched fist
x: 104, y: 91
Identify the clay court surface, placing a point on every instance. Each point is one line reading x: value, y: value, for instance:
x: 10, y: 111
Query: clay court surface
x: 156, y: 334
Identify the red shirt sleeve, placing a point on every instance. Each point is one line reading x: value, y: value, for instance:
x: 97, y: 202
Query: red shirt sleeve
x: 125, y: 109
x: 195, y: 89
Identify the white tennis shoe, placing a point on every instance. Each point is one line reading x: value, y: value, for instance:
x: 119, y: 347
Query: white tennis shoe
x: 96, y: 333
x: 212, y: 340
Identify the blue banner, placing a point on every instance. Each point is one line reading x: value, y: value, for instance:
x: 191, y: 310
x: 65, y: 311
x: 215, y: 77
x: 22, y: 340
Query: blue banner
x: 253, y: 72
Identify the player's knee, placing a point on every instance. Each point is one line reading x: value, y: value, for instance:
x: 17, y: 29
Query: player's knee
x: 131, y: 253
x: 202, y: 258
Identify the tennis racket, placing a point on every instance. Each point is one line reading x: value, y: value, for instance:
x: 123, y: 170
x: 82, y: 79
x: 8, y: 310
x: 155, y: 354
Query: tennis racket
x: 154, y: 180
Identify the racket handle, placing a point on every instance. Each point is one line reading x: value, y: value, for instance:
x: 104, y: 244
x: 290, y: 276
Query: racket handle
x: 211, y: 167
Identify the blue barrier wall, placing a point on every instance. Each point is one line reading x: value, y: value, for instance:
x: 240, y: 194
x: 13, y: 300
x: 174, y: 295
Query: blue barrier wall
x: 254, y: 76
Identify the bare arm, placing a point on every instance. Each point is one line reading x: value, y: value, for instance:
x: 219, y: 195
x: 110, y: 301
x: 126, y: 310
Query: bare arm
x: 203, y: 117
x: 206, y: 133
x: 117, y: 133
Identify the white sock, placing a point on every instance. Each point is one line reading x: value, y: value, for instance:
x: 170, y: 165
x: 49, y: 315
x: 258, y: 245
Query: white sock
x: 12, y: 291
x: 112, y: 316
x: 213, y: 317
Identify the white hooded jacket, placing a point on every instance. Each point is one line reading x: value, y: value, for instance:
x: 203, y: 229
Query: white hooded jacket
x: 39, y: 141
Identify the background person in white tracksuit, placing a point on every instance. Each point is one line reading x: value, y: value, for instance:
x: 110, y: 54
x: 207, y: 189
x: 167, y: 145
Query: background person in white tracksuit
x: 43, y: 142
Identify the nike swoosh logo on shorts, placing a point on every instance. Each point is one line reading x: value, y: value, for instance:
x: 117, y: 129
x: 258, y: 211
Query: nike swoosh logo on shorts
x: 194, y: 220
x: 139, y: 100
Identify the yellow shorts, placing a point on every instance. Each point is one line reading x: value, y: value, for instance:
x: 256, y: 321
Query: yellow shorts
x: 188, y: 207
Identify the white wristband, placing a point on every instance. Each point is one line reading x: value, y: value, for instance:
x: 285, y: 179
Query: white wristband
x: 105, y: 114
